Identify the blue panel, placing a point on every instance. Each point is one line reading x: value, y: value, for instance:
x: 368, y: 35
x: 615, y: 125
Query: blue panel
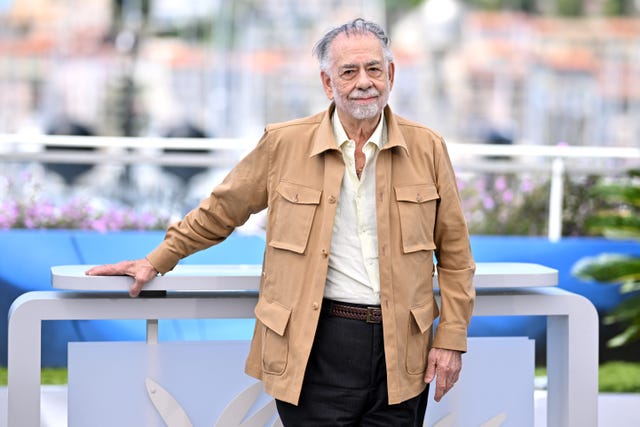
x: 236, y: 249
x: 107, y: 248
x: 26, y: 257
x: 561, y: 255
x: 97, y: 248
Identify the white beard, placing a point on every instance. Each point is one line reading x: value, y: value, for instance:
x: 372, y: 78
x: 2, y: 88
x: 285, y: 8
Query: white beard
x: 362, y: 112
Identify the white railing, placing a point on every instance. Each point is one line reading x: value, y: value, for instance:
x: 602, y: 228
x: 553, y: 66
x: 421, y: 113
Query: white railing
x: 554, y: 161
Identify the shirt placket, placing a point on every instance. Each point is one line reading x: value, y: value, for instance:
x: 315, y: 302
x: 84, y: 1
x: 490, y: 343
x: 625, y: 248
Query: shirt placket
x: 366, y: 217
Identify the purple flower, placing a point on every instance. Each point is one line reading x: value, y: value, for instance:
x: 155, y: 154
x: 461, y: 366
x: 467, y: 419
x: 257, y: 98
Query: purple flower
x: 9, y: 213
x: 526, y: 186
x: 488, y: 203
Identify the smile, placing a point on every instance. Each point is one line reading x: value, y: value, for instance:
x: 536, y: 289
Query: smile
x: 364, y: 100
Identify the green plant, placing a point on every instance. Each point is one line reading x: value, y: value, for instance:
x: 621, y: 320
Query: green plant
x: 619, y: 377
x: 48, y: 376
x: 613, y: 377
x: 53, y: 376
x: 620, y: 221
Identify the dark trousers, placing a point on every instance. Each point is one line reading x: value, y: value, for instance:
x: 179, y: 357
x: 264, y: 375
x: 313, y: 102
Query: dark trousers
x: 345, y: 382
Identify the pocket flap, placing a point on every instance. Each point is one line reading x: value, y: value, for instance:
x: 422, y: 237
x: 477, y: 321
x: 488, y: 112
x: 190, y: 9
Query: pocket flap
x: 273, y: 315
x: 299, y: 194
x: 419, y: 193
x: 423, y: 316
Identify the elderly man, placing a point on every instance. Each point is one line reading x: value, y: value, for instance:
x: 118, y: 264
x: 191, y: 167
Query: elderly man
x: 359, y: 200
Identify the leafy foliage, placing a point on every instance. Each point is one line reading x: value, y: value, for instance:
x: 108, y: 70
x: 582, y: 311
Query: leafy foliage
x: 609, y: 268
x: 619, y: 377
x: 617, y: 7
x: 613, y: 377
x: 620, y: 220
x: 522, y: 5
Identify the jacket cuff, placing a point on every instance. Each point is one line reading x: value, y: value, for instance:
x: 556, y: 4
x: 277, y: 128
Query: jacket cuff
x: 162, y: 259
x: 451, y: 337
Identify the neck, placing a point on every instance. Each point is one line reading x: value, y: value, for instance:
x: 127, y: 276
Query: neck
x: 359, y: 130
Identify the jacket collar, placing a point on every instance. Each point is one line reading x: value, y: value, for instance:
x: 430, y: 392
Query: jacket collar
x: 325, y: 140
x: 395, y: 138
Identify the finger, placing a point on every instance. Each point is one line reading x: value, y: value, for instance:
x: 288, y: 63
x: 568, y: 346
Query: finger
x: 431, y: 369
x: 441, y: 387
x: 119, y: 269
x: 102, y: 270
x: 136, y: 288
x: 455, y: 378
x: 446, y: 379
x: 143, y: 274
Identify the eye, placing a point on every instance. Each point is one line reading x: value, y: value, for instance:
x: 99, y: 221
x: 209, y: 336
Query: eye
x: 374, y: 71
x: 348, y: 74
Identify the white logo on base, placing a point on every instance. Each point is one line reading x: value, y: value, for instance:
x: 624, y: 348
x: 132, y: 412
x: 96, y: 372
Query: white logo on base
x: 234, y: 415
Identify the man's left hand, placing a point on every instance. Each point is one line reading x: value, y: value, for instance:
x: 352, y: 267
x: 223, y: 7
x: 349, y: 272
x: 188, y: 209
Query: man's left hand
x: 444, y: 366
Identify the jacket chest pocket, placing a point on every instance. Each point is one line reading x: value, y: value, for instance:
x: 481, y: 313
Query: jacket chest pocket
x: 417, y: 211
x: 293, y: 212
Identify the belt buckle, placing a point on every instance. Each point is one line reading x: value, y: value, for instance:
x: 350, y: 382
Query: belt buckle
x: 370, y: 319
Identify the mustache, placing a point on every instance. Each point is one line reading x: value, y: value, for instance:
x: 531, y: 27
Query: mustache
x: 360, y: 94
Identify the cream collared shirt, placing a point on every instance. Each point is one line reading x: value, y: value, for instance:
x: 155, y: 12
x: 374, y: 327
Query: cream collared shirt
x: 353, y: 274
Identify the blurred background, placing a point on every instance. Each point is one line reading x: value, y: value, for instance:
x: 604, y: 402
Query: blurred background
x: 541, y: 71
x: 518, y: 72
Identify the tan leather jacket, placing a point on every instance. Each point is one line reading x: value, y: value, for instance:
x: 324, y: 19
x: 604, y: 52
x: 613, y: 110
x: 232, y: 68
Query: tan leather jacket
x: 295, y: 172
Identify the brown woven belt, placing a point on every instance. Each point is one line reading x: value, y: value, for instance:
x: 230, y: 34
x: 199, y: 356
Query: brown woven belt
x: 367, y: 314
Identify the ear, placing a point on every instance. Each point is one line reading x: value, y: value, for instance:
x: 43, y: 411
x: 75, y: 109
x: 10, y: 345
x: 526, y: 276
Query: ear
x: 392, y: 73
x: 326, y: 84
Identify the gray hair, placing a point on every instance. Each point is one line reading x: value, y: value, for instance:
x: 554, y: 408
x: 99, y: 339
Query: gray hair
x: 358, y: 26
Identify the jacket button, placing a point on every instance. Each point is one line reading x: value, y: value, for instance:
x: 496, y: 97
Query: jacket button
x: 325, y: 254
x: 332, y: 199
x: 418, y: 198
x: 315, y: 306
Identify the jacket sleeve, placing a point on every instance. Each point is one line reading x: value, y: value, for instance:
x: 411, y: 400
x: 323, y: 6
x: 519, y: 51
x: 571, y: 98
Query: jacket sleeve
x: 455, y: 263
x: 242, y: 193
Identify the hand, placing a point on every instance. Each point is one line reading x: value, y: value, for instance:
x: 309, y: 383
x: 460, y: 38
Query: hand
x: 141, y: 270
x: 443, y: 365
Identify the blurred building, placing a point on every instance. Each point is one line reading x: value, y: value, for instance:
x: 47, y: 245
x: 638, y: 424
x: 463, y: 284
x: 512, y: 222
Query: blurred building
x: 541, y: 80
x: 231, y: 67
x: 228, y: 68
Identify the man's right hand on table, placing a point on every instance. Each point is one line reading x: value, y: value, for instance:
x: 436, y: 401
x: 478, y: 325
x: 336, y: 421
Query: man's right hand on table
x: 141, y: 270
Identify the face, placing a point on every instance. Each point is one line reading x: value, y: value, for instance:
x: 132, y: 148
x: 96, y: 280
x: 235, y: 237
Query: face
x: 359, y: 79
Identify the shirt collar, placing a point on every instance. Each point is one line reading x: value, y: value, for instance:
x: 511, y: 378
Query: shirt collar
x: 325, y: 141
x: 378, y: 137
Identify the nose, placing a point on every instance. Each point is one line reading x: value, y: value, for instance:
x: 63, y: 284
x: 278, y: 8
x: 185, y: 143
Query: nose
x: 363, y: 82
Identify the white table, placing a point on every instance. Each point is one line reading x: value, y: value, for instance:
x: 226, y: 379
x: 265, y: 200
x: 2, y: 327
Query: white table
x: 218, y: 291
